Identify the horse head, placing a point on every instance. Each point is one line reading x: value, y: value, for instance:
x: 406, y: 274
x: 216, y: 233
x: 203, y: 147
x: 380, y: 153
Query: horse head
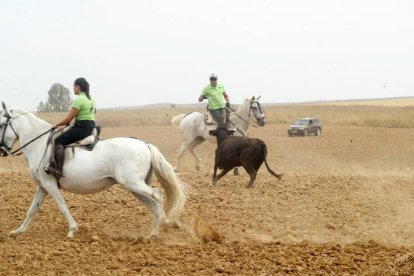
x: 7, y: 132
x: 257, y: 110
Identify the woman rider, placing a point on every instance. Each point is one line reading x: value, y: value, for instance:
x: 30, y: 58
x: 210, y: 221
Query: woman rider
x: 83, y: 110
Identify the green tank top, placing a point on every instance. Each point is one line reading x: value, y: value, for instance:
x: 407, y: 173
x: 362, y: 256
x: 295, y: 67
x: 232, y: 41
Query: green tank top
x: 86, y: 107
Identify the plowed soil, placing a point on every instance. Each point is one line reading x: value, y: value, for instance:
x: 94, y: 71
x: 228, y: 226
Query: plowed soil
x: 345, y: 206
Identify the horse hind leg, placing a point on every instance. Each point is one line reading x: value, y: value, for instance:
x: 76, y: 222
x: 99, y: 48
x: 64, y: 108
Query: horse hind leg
x: 148, y: 178
x: 189, y: 146
x: 153, y: 199
x: 183, y: 148
x: 37, y: 201
x: 195, y: 143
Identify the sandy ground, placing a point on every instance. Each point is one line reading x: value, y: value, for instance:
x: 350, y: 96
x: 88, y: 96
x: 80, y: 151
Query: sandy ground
x: 345, y: 206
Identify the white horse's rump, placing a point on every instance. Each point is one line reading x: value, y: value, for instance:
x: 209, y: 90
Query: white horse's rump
x: 176, y: 120
x: 126, y: 161
x: 194, y: 130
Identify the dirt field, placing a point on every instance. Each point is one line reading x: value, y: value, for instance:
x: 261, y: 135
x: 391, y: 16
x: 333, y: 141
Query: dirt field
x: 345, y: 206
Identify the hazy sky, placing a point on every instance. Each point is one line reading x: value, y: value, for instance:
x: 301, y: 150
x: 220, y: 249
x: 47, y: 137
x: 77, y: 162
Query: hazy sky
x: 157, y: 51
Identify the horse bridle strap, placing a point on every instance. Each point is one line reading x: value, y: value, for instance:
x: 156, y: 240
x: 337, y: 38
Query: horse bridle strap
x: 235, y: 113
x: 7, y: 149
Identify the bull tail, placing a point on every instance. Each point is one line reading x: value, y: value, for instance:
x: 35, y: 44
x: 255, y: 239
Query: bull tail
x: 264, y: 147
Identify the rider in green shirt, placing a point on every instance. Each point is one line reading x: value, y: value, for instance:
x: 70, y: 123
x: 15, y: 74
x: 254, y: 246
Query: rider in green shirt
x: 83, y: 112
x: 215, y: 94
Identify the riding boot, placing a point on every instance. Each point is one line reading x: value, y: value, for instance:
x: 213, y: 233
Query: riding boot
x: 56, y: 168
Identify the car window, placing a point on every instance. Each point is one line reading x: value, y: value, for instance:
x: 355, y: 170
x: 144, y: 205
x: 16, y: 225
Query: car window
x: 301, y: 122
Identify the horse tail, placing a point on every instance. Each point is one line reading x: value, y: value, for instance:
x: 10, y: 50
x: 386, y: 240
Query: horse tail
x: 264, y: 148
x: 176, y: 120
x: 174, y: 187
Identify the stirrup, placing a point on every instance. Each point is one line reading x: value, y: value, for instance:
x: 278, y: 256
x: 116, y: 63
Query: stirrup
x: 50, y: 169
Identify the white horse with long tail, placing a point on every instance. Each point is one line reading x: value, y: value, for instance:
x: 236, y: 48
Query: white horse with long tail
x: 194, y: 129
x: 126, y: 161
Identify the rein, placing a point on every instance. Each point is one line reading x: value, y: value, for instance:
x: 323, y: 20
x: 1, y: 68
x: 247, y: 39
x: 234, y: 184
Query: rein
x: 6, y: 149
x: 247, y: 121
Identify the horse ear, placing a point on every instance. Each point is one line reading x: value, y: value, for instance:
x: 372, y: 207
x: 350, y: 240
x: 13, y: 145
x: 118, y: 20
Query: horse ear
x: 6, y: 111
x: 252, y: 98
x: 258, y: 98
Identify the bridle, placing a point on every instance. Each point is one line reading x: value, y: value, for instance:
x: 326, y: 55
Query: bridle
x: 258, y: 115
x: 5, y: 148
x: 249, y: 120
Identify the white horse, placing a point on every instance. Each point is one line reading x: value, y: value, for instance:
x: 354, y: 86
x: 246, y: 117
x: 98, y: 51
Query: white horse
x: 194, y: 130
x: 126, y: 161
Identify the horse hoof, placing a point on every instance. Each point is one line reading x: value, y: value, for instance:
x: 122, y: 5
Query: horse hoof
x: 15, y: 233
x: 151, y: 237
x: 72, y: 232
x: 174, y: 223
x: 178, y: 224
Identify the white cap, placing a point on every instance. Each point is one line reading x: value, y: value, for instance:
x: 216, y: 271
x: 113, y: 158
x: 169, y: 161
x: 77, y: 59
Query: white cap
x: 213, y: 76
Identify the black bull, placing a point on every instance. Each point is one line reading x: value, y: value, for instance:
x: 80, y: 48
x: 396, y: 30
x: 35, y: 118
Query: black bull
x: 235, y: 151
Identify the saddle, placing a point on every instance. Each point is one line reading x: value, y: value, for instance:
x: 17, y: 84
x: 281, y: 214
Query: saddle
x: 212, y: 125
x: 89, y: 142
x: 209, y: 120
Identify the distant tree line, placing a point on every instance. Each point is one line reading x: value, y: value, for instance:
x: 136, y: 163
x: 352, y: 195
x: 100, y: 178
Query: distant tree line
x: 58, y: 99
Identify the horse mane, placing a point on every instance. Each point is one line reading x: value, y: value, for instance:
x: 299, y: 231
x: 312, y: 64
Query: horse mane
x: 244, y: 103
x: 17, y: 111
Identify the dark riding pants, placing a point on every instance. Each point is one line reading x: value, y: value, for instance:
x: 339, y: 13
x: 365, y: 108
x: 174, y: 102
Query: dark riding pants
x: 216, y: 113
x: 79, y: 131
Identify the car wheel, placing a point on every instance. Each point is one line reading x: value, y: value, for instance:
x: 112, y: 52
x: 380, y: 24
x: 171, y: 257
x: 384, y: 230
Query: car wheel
x: 305, y: 132
x: 318, y: 132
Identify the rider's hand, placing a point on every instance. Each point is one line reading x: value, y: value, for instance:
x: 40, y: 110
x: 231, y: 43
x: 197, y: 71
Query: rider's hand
x: 228, y: 104
x: 59, y: 128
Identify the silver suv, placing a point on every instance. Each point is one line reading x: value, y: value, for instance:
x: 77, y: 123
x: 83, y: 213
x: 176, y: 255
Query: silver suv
x: 305, y: 126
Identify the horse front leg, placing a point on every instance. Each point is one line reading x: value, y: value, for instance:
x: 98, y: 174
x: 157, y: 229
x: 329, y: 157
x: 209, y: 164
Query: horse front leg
x: 60, y: 201
x: 37, y: 201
